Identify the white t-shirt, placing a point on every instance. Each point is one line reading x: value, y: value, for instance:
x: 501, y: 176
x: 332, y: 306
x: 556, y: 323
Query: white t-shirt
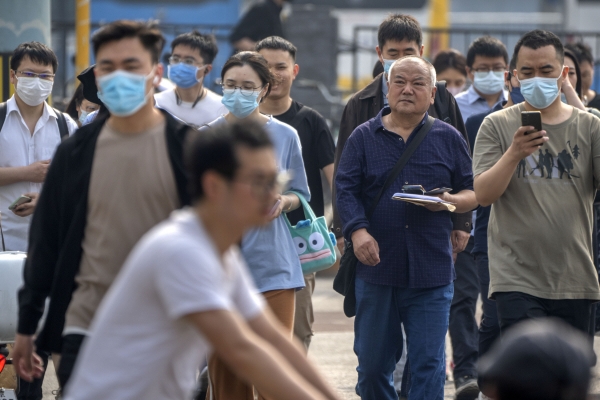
x: 139, y: 345
x: 206, y: 110
x: 19, y: 148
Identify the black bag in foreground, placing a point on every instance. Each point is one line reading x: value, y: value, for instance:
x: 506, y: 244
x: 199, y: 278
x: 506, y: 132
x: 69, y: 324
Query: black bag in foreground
x: 344, y: 280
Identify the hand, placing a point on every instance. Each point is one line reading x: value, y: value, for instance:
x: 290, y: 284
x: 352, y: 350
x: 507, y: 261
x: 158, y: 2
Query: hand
x: 37, y: 171
x: 341, y: 245
x: 459, y: 240
x: 365, y: 247
x: 27, y: 364
x: 525, y: 145
x: 26, y: 209
x: 566, y: 85
x: 439, y: 207
x: 278, y: 207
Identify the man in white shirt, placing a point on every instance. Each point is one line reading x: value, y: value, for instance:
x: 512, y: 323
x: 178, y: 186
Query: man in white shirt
x: 185, y: 290
x: 28, y: 138
x: 191, y: 60
x: 487, y: 59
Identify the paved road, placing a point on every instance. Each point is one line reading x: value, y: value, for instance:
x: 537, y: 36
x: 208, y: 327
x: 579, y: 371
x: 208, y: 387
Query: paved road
x: 331, y: 348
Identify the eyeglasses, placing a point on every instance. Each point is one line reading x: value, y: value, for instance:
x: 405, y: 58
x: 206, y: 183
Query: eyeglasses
x: 245, y: 91
x: 187, y: 61
x: 487, y: 69
x: 261, y: 188
x: 28, y: 74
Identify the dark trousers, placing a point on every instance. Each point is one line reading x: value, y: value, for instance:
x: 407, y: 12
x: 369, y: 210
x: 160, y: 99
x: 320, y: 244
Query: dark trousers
x: 68, y: 357
x: 33, y: 390
x: 489, y: 329
x: 463, y: 329
x: 514, y: 307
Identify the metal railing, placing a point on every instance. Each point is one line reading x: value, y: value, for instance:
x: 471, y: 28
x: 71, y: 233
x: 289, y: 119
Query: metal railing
x: 364, y: 40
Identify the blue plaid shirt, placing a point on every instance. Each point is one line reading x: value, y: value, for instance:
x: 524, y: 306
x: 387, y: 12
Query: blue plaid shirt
x: 414, y: 243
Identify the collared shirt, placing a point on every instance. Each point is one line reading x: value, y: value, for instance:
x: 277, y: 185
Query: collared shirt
x: 19, y: 148
x: 414, y: 243
x: 470, y: 102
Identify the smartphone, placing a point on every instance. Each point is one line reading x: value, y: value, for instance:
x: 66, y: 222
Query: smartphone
x: 19, y: 201
x: 413, y: 189
x: 531, y: 118
x: 438, y: 191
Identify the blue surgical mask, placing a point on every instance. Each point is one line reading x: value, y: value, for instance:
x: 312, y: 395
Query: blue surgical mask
x: 184, y: 75
x: 490, y: 82
x: 83, y: 116
x: 540, y: 92
x: 387, y: 64
x: 239, y: 105
x: 516, y: 96
x: 123, y: 93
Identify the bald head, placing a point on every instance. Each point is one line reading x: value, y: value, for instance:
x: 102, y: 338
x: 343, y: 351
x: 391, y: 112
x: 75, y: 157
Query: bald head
x: 414, y: 63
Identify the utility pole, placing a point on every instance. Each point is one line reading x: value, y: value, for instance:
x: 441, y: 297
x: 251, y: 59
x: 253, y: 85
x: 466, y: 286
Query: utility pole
x: 20, y: 21
x: 439, y: 18
x: 82, y: 34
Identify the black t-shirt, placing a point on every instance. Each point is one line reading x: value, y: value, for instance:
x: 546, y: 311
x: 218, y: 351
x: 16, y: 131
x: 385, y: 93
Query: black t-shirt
x: 595, y: 102
x: 261, y: 21
x: 318, y: 151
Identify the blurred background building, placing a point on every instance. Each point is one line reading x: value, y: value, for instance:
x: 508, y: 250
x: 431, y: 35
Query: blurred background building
x: 335, y: 38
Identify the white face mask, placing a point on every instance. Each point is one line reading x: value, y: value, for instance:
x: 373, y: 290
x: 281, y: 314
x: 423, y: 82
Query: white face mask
x: 33, y: 91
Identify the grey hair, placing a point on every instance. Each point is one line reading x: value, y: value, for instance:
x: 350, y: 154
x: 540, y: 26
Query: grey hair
x: 429, y: 66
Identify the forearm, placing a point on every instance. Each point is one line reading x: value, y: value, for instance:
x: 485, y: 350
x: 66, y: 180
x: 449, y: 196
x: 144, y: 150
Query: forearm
x: 290, y: 202
x: 572, y: 98
x: 328, y: 172
x: 491, y: 184
x: 269, y: 372
x: 10, y: 175
x: 464, y: 200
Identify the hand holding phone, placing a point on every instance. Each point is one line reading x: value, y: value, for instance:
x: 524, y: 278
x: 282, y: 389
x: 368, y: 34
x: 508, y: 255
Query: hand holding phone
x: 274, y: 209
x: 21, y: 200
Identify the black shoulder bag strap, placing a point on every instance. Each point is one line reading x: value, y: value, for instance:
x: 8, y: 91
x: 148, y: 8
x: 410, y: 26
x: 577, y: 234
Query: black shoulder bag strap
x: 302, y: 112
x: 442, y: 102
x: 2, y: 114
x: 63, y: 129
x: 419, y: 136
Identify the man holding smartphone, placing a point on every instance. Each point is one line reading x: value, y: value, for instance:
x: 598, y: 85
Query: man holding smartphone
x: 540, y: 230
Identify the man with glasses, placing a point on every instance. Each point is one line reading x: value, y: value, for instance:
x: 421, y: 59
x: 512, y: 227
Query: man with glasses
x: 191, y: 60
x: 30, y: 134
x: 487, y: 60
x: 106, y: 187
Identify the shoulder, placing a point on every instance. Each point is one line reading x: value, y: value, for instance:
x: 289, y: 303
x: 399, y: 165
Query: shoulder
x: 446, y: 130
x: 212, y: 96
x: 164, y: 94
x: 509, y: 114
x: 174, y: 125
x: 281, y: 128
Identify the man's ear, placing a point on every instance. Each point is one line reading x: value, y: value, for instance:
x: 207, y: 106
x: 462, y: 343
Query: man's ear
x: 212, y: 185
x: 565, y: 72
x: 160, y: 69
x: 433, y: 92
x: 421, y: 51
x: 208, y: 69
x: 13, y: 77
x: 295, y: 71
x: 379, y: 54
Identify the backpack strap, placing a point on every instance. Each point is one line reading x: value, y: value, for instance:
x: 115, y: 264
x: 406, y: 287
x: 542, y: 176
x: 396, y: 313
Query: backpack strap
x: 300, y: 115
x: 62, y: 124
x: 3, y: 111
x: 442, y: 102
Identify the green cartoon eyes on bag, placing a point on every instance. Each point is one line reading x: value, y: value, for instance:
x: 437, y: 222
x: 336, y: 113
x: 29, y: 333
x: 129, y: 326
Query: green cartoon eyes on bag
x: 314, y: 243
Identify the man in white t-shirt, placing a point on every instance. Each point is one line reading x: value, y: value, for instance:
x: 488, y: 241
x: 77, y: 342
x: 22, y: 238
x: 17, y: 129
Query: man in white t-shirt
x: 30, y: 134
x: 185, y: 290
x: 191, y: 60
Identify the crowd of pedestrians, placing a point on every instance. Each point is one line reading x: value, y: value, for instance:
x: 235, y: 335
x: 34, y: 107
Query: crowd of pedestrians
x: 157, y: 222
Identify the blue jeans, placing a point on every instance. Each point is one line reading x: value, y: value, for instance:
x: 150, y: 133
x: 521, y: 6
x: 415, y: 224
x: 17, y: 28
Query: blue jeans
x: 378, y: 339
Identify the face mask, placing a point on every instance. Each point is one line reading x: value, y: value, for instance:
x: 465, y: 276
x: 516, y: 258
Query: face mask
x: 33, y: 91
x: 239, y: 105
x: 83, y: 116
x: 387, y: 64
x: 184, y: 75
x: 491, y: 82
x: 516, y: 96
x: 454, y: 90
x: 123, y: 93
x: 540, y: 92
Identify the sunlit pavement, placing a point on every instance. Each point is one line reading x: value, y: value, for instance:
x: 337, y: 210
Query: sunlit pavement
x: 331, y: 347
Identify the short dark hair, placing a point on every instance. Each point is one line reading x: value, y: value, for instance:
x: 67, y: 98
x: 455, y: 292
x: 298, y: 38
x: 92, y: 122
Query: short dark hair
x: 75, y: 102
x: 486, y: 46
x: 582, y: 51
x: 447, y: 59
x: 214, y: 149
x: 37, y: 52
x: 205, y: 44
x: 148, y: 34
x: 399, y: 27
x: 277, y: 43
x: 254, y: 61
x: 539, y: 38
